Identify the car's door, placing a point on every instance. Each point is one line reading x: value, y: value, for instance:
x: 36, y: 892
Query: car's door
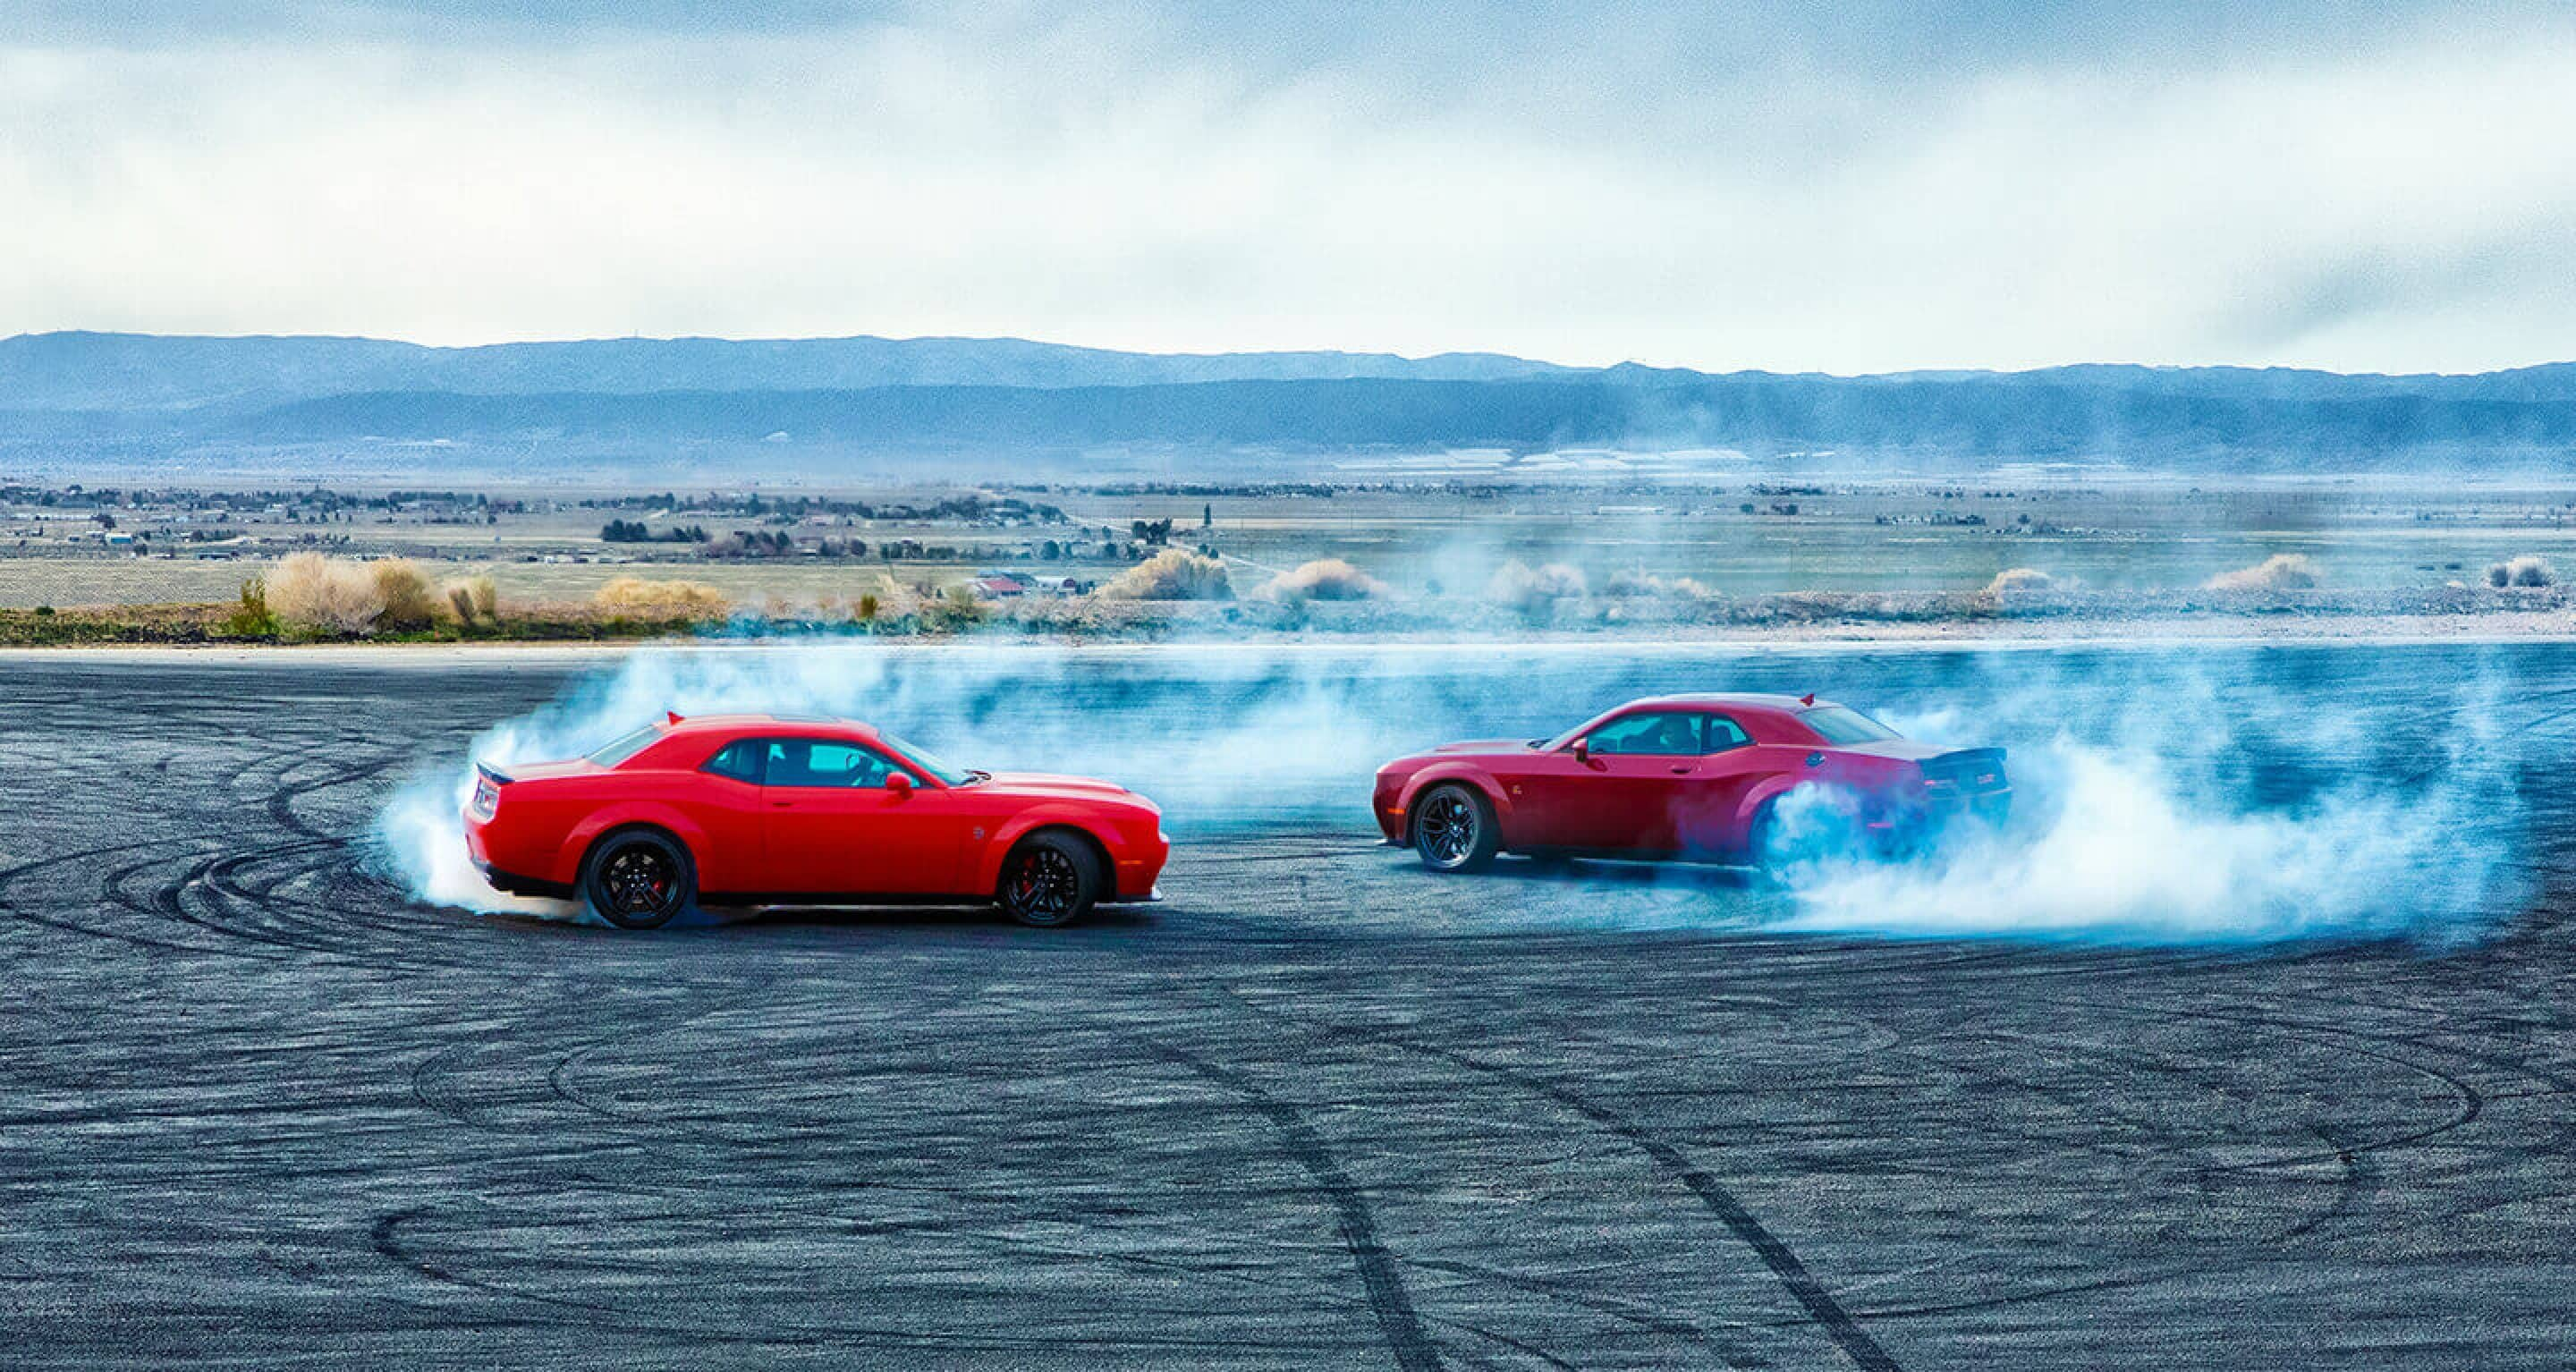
x: 835, y: 826
x: 726, y: 801
x: 1707, y: 801
x: 1619, y: 794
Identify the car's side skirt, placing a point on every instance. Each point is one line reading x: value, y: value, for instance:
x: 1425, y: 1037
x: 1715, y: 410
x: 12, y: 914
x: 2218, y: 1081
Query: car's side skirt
x: 821, y: 899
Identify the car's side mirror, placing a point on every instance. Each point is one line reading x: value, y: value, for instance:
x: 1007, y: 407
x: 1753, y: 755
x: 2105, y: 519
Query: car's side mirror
x: 900, y: 783
x: 1583, y: 750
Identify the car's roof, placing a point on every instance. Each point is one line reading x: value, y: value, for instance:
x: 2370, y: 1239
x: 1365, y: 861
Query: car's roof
x: 733, y: 723
x: 1740, y: 700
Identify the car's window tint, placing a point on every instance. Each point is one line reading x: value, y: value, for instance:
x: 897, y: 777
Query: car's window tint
x: 952, y: 776
x: 825, y: 762
x: 1655, y: 733
x: 1840, y: 724
x: 1723, y: 733
x: 740, y: 760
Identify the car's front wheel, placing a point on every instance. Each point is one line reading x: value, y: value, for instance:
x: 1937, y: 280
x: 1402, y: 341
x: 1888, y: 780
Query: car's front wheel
x: 1050, y: 879
x: 1454, y: 829
x: 638, y: 879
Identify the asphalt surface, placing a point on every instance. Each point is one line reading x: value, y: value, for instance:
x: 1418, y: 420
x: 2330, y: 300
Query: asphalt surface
x: 258, y: 1107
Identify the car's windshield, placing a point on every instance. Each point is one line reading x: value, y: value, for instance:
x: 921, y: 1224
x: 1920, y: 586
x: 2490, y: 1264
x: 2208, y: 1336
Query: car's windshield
x: 948, y: 776
x: 627, y: 746
x: 1841, y: 724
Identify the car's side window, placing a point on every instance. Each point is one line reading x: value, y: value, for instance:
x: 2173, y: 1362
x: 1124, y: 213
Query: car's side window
x: 739, y: 759
x: 826, y: 763
x: 1723, y: 734
x: 1654, y: 733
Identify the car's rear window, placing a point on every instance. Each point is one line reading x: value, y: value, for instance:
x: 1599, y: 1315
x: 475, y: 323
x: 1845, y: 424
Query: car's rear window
x: 626, y: 747
x: 1841, y: 724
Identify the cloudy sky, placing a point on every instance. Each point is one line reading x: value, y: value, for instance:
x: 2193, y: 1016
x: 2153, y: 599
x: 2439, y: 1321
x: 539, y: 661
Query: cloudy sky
x: 1847, y: 185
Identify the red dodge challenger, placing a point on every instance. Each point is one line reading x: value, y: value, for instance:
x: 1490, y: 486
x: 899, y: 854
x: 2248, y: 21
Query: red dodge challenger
x: 1693, y: 777
x: 775, y: 810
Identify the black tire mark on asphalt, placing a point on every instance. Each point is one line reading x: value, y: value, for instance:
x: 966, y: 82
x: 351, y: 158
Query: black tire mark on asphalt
x: 1811, y: 1295
x: 1388, y: 1299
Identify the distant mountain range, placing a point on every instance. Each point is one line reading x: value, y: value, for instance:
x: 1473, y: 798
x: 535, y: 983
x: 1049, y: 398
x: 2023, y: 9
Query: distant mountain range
x: 827, y: 403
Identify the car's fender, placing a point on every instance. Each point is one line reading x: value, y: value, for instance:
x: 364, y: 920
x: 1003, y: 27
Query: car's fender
x: 986, y: 873
x: 1441, y: 772
x: 657, y: 813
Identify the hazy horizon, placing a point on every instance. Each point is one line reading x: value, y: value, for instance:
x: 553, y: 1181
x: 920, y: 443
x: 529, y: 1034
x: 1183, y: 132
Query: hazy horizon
x: 1079, y: 345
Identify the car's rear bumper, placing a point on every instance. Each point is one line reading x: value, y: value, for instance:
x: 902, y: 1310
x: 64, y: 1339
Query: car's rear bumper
x: 511, y: 883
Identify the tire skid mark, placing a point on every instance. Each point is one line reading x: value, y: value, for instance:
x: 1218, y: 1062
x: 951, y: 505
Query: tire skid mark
x: 1379, y: 1276
x: 1819, y: 1303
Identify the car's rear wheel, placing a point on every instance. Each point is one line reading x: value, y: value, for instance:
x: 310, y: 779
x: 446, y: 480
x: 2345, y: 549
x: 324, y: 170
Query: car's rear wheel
x: 639, y: 879
x: 1454, y: 830
x: 1050, y: 879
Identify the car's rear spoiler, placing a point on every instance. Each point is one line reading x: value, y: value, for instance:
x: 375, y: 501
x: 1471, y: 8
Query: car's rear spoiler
x: 493, y: 774
x: 1972, y: 768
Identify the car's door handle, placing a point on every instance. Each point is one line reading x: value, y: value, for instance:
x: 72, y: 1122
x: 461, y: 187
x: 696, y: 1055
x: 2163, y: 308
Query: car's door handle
x: 782, y: 805
x: 1684, y: 771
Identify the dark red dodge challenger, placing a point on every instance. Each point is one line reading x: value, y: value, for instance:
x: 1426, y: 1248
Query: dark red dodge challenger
x: 1692, y: 777
x: 774, y: 810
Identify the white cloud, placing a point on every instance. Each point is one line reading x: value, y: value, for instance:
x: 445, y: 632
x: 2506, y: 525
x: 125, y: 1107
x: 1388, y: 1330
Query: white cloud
x: 2398, y: 208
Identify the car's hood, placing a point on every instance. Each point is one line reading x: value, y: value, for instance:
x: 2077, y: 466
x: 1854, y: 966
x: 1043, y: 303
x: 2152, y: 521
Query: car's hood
x: 1048, y: 784
x: 1486, y: 745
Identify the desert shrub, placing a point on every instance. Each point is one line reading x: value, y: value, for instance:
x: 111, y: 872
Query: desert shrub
x: 1324, y: 579
x: 473, y: 599
x: 1173, y: 574
x: 955, y: 608
x: 1519, y: 586
x: 2279, y: 572
x: 251, y: 617
x: 2526, y: 570
x: 1635, y: 585
x: 635, y: 597
x: 314, y: 594
x: 409, y: 600
x: 2023, y: 580
x: 869, y: 608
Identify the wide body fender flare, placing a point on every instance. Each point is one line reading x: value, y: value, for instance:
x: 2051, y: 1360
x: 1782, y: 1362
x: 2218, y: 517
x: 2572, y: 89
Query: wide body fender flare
x: 658, y: 815
x: 1440, y: 773
x: 985, y: 870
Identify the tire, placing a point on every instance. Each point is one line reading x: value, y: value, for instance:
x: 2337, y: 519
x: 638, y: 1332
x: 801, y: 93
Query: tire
x: 1453, y: 829
x: 1050, y: 878
x: 1757, y: 840
x: 639, y: 879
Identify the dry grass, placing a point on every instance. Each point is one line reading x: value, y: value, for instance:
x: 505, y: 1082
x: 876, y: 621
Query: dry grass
x: 635, y: 597
x: 1173, y: 574
x: 2279, y: 572
x: 314, y: 594
x: 1327, y: 578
